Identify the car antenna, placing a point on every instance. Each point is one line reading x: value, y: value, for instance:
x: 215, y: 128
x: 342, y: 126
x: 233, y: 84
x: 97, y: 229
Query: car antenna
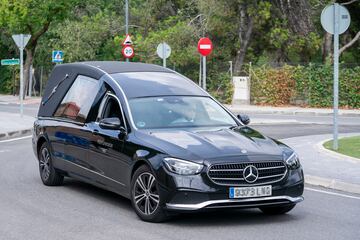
x: 54, y: 90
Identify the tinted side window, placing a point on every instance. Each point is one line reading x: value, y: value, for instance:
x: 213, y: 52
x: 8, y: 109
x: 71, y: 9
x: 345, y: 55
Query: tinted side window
x: 78, y: 100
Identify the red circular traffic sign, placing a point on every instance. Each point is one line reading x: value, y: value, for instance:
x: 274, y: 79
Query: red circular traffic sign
x: 128, y: 51
x: 205, y: 46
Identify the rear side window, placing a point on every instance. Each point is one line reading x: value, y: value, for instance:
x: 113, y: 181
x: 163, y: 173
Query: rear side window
x: 78, y: 100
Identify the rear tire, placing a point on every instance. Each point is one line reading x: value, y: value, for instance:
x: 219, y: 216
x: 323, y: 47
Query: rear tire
x: 145, y: 196
x: 277, y: 210
x: 48, y: 174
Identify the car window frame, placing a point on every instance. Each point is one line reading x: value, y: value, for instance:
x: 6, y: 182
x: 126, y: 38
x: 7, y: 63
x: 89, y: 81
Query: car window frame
x: 102, y: 106
x: 66, y: 119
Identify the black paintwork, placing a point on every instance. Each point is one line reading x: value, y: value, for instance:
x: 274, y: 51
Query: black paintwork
x: 107, y: 158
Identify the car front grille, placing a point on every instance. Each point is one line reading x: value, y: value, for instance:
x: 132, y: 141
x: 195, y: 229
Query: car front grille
x: 232, y: 173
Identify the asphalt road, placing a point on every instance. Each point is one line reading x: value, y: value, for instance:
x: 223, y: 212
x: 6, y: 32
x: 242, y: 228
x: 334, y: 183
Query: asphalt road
x: 29, y: 210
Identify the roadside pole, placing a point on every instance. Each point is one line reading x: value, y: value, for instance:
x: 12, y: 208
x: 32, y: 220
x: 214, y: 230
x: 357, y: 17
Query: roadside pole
x: 127, y: 20
x: 21, y: 78
x: 204, y: 72
x: 336, y: 75
x: 336, y: 25
x: 21, y: 40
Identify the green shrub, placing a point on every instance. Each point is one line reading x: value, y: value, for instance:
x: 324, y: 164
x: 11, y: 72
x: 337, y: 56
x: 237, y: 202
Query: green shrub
x: 220, y: 87
x: 312, y: 85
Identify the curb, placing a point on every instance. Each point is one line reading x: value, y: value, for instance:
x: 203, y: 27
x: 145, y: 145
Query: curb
x: 290, y: 112
x: 14, y: 134
x: 332, y: 184
x: 321, y: 148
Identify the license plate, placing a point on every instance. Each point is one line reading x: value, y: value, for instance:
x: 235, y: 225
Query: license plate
x: 247, y: 192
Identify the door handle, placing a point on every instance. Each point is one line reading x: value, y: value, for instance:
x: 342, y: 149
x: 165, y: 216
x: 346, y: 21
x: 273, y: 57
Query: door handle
x: 95, y: 132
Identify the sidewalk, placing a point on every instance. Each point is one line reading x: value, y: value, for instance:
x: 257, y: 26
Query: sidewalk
x: 12, y: 125
x: 248, y: 109
x: 323, y: 168
x: 10, y: 99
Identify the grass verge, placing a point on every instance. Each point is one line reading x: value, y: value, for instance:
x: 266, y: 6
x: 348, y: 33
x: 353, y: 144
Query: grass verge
x: 348, y: 146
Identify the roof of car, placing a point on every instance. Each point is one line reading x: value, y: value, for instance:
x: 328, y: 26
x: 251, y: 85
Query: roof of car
x: 111, y: 67
x: 136, y: 79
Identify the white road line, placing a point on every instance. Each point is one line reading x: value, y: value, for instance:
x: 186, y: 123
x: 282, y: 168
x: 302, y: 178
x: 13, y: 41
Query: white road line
x: 15, y: 139
x: 332, y: 193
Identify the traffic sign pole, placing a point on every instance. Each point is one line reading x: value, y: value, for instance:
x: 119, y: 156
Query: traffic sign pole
x: 204, y: 73
x: 22, y: 78
x: 336, y: 75
x: 164, y: 58
x: 127, y: 20
x: 333, y: 24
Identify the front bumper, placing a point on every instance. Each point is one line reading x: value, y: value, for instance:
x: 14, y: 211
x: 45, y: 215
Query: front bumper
x: 197, y: 192
x: 237, y: 203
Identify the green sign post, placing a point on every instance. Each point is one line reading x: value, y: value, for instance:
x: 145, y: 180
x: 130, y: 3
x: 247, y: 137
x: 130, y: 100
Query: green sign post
x: 10, y: 61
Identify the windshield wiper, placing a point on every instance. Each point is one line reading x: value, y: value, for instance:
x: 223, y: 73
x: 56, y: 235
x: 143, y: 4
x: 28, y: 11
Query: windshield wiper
x: 54, y: 90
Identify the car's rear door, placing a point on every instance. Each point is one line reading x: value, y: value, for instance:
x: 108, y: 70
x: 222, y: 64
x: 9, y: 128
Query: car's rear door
x: 72, y: 113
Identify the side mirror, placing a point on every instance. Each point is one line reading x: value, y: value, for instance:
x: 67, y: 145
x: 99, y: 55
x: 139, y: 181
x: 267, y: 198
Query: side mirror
x: 244, y: 118
x: 110, y: 123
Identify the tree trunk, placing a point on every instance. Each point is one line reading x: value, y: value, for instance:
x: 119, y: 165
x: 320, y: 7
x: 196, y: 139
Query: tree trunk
x: 245, y: 32
x: 326, y: 48
x: 28, y: 63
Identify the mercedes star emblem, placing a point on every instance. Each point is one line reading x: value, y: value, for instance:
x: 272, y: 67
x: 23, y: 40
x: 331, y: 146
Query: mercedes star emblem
x: 251, y: 174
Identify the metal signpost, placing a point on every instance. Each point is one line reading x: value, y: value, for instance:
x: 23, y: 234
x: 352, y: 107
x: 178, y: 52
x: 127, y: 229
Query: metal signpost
x: 21, y: 40
x: 205, y: 47
x: 335, y: 19
x: 127, y: 21
x: 163, y: 51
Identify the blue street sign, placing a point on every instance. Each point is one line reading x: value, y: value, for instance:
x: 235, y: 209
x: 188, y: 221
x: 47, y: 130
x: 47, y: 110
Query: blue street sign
x: 57, y: 56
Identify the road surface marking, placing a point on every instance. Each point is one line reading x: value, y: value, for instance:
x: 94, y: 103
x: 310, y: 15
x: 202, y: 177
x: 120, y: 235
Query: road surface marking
x: 332, y: 193
x: 15, y: 139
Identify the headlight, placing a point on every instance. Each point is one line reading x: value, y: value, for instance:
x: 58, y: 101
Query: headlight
x: 182, y: 167
x: 292, y: 161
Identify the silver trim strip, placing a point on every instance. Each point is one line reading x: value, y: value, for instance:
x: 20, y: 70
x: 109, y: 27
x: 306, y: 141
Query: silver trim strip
x: 201, y: 205
x: 228, y: 178
x: 246, y: 184
x: 241, y: 169
x: 89, y: 170
x: 226, y: 170
x: 266, y: 168
x: 277, y: 175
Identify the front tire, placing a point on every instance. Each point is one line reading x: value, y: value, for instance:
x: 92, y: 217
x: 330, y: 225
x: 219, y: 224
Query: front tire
x: 49, y: 175
x: 277, y: 210
x: 145, y: 196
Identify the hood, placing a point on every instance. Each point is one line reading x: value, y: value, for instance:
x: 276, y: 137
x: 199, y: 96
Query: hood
x: 204, y: 144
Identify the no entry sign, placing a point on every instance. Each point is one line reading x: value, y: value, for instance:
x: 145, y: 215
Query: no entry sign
x: 128, y: 51
x: 205, y: 46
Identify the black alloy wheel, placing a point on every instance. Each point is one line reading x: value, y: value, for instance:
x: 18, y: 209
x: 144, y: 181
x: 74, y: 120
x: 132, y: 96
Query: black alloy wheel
x: 145, y: 196
x: 48, y: 173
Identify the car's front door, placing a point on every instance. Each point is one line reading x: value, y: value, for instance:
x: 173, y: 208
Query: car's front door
x: 106, y: 148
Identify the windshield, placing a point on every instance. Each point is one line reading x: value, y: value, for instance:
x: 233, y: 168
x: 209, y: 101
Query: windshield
x: 178, y: 111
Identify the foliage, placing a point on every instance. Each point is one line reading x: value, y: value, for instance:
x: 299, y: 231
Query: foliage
x: 220, y: 87
x: 312, y: 85
x: 94, y: 30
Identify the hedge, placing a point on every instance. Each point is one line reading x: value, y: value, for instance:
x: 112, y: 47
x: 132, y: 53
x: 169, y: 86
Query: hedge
x: 310, y: 85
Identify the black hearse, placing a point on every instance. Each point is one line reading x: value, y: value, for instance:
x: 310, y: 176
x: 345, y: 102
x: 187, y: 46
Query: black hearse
x: 155, y: 137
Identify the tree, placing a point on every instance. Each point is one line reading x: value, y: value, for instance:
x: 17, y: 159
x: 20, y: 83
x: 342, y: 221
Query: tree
x: 33, y: 17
